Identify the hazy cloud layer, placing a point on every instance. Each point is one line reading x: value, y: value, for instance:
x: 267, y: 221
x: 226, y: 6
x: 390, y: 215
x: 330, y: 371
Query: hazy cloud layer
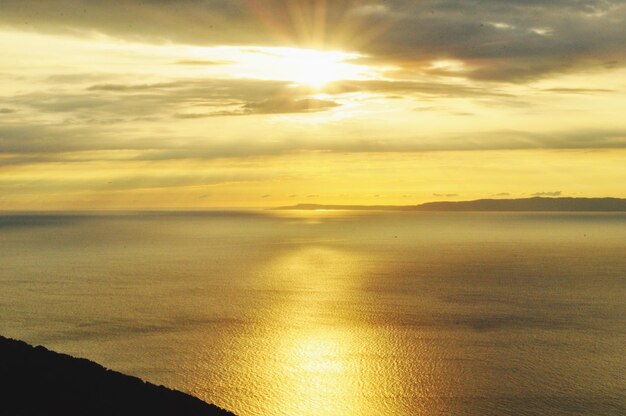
x: 409, y: 88
x: 506, y: 40
x: 37, y: 143
x: 188, y: 99
x: 137, y: 181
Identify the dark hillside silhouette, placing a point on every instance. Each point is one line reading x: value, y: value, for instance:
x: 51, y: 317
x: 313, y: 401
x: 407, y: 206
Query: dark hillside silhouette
x: 36, y: 381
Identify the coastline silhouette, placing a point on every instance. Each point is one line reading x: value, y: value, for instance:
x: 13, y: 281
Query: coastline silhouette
x: 37, y: 381
x: 538, y: 204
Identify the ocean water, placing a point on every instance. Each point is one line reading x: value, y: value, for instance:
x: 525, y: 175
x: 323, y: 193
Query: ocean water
x: 334, y: 313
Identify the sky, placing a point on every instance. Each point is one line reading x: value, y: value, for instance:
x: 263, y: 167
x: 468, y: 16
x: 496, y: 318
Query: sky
x: 196, y: 104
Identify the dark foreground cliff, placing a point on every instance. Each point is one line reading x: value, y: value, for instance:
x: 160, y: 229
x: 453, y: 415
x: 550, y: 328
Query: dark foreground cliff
x: 36, y: 381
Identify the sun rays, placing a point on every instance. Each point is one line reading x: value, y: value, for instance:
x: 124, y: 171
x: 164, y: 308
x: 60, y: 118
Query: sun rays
x: 305, y: 67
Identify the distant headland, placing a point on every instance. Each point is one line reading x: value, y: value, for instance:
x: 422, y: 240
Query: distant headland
x: 537, y: 204
x: 38, y: 382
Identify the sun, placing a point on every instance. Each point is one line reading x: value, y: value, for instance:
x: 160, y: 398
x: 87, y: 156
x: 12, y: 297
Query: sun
x: 311, y: 68
x: 318, y: 68
x: 306, y: 67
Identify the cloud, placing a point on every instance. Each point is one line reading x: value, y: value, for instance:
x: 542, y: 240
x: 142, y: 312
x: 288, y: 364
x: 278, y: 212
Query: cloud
x: 579, y: 90
x: 124, y: 182
x: 188, y: 99
x: 428, y: 89
x: 132, y: 87
x: 119, y: 102
x: 28, y: 138
x: 277, y: 105
x: 6, y: 111
x: 202, y: 62
x: 32, y: 142
x: 506, y: 40
x: 555, y: 193
x: 581, y: 34
x: 371, y: 10
x: 496, y: 140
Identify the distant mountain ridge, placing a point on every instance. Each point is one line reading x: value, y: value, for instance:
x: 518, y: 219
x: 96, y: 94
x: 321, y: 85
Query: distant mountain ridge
x: 39, y: 382
x: 537, y: 204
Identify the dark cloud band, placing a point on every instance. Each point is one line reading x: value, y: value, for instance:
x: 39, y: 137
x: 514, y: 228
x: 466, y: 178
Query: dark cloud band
x: 506, y: 40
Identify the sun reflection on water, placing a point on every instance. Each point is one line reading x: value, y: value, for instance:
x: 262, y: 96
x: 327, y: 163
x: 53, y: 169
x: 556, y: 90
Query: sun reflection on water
x: 314, y: 371
x: 315, y: 349
x: 318, y: 216
x: 317, y: 374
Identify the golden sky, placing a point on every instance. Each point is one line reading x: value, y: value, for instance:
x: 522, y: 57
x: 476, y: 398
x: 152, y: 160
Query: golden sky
x: 194, y: 104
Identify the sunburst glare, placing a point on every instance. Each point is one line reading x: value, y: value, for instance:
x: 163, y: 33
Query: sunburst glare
x: 307, y: 67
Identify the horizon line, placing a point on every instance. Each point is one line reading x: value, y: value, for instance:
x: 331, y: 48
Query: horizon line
x: 287, y: 207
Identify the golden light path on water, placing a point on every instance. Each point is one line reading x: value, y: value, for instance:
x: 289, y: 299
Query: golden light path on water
x: 309, y: 355
x: 314, y: 353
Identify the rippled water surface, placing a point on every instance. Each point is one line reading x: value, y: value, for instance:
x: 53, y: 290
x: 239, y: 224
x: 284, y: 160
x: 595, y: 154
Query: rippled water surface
x: 334, y: 313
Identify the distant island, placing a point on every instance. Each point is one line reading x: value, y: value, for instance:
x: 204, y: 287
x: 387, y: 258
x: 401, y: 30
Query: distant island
x: 38, y: 382
x: 537, y: 204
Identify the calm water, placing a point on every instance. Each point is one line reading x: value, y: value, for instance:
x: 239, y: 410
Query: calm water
x: 334, y: 313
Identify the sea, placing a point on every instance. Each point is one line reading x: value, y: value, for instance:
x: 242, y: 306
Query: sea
x: 333, y: 313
